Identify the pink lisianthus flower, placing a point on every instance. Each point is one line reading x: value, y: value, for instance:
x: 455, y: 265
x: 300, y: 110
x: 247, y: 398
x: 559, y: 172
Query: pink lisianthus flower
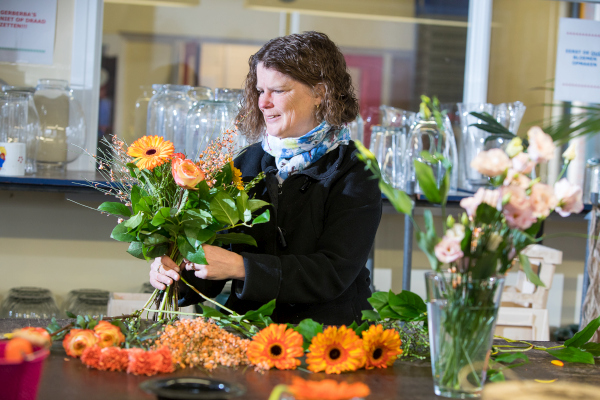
x: 541, y: 147
x: 448, y: 250
x: 542, y: 200
x: 491, y: 163
x: 186, y: 173
x: 515, y: 178
x: 490, y: 197
x: 518, y: 211
x: 569, y: 198
x: 522, y: 163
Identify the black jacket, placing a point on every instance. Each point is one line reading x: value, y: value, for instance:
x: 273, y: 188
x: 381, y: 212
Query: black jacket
x: 311, y: 255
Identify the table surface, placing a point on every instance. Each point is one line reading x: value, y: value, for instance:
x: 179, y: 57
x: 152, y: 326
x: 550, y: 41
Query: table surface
x: 67, y: 378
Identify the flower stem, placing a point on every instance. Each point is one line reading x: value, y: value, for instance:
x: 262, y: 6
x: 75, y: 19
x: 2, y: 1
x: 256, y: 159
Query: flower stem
x: 207, y: 298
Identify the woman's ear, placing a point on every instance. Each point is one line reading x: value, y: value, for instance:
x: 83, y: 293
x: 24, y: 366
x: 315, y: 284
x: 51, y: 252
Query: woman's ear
x: 319, y: 91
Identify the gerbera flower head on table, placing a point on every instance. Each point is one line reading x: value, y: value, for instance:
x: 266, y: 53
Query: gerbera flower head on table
x: 171, y: 204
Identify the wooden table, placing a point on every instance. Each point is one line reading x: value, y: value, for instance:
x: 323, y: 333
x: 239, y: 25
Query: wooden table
x: 67, y: 378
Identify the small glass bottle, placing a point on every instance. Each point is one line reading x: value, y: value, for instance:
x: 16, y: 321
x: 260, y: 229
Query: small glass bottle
x: 62, y: 125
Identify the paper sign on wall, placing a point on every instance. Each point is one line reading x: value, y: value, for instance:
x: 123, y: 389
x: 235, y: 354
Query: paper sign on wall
x: 578, y: 61
x: 27, y: 31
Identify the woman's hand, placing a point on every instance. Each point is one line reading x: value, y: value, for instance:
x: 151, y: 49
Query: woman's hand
x: 163, y: 271
x: 222, y: 264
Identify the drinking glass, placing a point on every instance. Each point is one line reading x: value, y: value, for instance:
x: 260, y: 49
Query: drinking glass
x: 13, y: 117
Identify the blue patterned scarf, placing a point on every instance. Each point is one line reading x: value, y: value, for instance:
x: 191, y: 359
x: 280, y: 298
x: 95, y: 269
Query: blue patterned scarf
x: 294, y: 154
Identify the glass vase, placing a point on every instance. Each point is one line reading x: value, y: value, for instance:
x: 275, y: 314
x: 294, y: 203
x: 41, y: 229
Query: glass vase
x: 32, y: 128
x: 425, y: 134
x: 62, y: 125
x: 462, y: 316
x: 167, y: 111
x: 205, y: 122
x: 140, y: 114
x: 475, y: 140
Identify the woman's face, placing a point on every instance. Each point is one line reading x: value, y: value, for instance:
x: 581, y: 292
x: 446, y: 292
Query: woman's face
x: 288, y: 106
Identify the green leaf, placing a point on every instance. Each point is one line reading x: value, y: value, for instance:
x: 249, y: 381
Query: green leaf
x: 255, y: 204
x: 428, y: 157
x: 146, y: 204
x: 309, y: 329
x: 262, y: 218
x: 115, y: 208
x: 223, y: 208
x: 400, y: 200
x: 229, y: 238
x: 194, y: 225
x: 388, y: 312
x: 371, y: 315
x: 198, y: 237
x: 407, y: 304
x: 378, y: 300
x: 161, y: 216
x: 487, y: 214
x: 154, y: 239
x: 121, y: 233
x: 81, y: 322
x: 70, y: 314
x: 135, y: 221
x: 572, y: 354
x: 135, y: 249
x: 532, y: 276
x: 495, y: 376
x: 583, y: 336
x: 265, y: 310
x: 592, y: 348
x: 189, y: 252
x: 427, y: 182
x: 157, y: 250
x: 244, y: 212
x: 511, y: 357
x: 209, y: 312
x: 359, y: 329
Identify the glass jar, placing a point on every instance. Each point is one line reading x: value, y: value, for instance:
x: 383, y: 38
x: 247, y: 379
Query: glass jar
x: 592, y: 180
x: 200, y: 93
x: 206, y: 121
x: 140, y: 114
x: 167, y: 111
x: 388, y: 145
x: 62, y: 134
x: 357, y: 129
x: 29, y: 302
x: 73, y: 296
x: 227, y: 94
x: 426, y: 135
x: 92, y: 305
x: 32, y: 128
x: 13, y: 117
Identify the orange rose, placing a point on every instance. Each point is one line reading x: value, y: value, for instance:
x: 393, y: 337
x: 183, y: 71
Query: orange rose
x: 37, y: 336
x: 186, y: 173
x: 77, y: 340
x: 108, y: 335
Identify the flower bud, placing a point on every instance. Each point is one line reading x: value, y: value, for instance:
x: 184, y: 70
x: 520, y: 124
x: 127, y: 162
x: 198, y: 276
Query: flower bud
x: 464, y: 219
x: 450, y: 222
x: 569, y: 154
x: 514, y: 147
x: 493, y: 242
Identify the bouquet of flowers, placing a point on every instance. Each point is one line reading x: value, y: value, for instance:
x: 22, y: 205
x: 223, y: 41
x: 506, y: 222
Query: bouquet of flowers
x: 171, y: 205
x: 473, y: 253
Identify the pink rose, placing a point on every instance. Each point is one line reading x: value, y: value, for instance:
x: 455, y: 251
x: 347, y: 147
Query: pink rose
x: 542, y: 200
x: 522, y: 163
x: 186, y: 173
x: 569, y: 198
x: 491, y: 197
x: 515, y: 178
x: 518, y: 211
x: 448, y: 250
x: 541, y: 147
x: 491, y: 163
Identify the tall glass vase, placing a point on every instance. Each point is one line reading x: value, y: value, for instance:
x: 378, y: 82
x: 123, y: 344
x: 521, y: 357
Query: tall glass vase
x: 462, y: 316
x: 167, y: 111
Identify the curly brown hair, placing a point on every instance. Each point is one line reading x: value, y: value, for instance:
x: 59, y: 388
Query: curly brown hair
x: 310, y: 58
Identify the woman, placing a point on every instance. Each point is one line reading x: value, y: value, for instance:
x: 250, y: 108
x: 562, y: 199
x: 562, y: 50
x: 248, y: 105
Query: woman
x: 325, y: 207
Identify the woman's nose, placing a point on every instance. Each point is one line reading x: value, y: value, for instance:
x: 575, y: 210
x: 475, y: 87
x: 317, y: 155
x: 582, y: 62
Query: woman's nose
x: 264, y: 101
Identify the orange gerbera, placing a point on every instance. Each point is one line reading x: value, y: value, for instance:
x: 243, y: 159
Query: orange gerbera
x: 150, y: 151
x: 336, y: 350
x: 237, y: 177
x: 381, y: 347
x: 327, y: 389
x: 276, y: 346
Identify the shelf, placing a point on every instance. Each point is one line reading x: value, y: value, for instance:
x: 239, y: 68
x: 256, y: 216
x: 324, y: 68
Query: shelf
x: 69, y: 181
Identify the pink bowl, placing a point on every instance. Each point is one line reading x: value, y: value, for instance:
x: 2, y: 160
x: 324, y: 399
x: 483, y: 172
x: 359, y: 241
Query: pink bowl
x: 20, y: 380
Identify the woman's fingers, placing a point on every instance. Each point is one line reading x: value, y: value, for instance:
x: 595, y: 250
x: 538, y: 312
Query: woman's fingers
x: 163, y: 271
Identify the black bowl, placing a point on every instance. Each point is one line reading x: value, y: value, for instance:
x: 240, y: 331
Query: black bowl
x: 190, y: 388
